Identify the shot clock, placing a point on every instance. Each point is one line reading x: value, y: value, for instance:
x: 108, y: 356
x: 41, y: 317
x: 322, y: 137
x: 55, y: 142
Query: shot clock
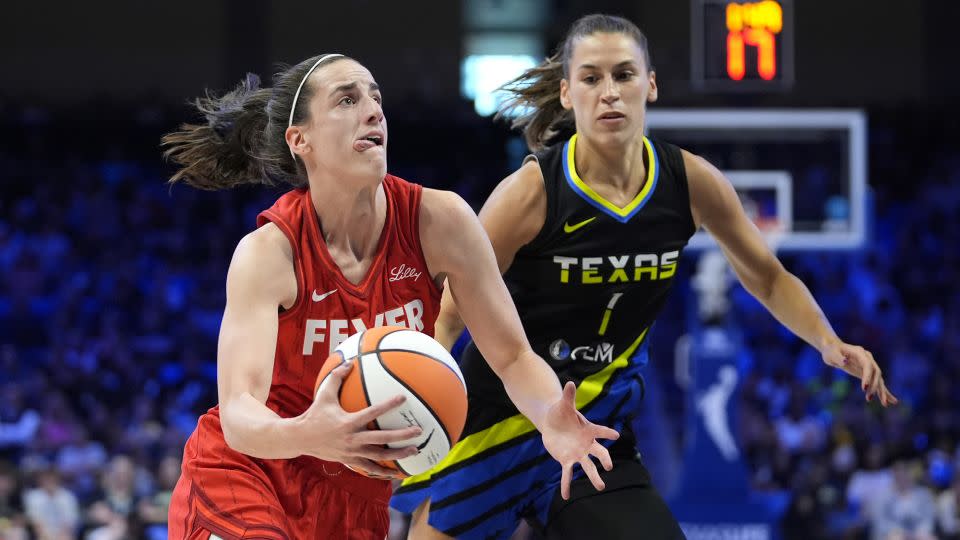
x: 741, y: 45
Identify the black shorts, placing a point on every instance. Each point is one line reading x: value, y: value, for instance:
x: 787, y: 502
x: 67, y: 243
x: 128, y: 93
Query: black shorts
x: 628, y: 508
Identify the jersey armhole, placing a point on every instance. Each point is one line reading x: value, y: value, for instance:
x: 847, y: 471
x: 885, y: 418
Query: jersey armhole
x: 550, y: 196
x: 271, y: 217
x: 684, y: 183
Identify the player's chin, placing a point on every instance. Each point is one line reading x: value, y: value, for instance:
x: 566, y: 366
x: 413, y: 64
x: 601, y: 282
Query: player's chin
x: 372, y: 163
x: 613, y: 136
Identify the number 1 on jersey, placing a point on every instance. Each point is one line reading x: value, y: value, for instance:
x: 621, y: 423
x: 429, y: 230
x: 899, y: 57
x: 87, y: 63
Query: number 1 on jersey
x: 607, y: 312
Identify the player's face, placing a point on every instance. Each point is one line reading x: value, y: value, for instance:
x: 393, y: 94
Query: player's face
x: 347, y: 131
x: 608, y: 87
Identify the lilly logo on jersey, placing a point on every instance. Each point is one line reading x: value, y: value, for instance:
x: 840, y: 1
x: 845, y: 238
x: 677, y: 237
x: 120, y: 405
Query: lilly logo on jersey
x: 598, y: 352
x: 337, y: 330
x: 403, y: 272
x: 623, y: 268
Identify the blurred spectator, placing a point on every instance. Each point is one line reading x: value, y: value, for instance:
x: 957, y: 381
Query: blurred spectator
x: 867, y: 483
x: 109, y: 516
x: 52, y: 510
x: 80, y: 461
x: 153, y: 510
x: 904, y: 511
x: 799, y: 431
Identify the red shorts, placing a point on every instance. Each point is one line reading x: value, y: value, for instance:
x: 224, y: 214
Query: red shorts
x: 233, y: 496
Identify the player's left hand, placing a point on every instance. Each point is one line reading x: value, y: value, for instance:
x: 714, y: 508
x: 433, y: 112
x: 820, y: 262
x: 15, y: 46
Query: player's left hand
x: 859, y: 362
x: 571, y: 438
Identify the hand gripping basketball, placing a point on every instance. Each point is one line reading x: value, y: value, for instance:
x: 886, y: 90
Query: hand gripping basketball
x: 388, y: 361
x: 333, y: 434
x: 571, y: 438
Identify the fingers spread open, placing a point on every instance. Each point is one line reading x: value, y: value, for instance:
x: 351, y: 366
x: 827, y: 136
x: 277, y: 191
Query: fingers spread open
x: 602, y: 454
x: 565, y: 482
x: 591, y: 470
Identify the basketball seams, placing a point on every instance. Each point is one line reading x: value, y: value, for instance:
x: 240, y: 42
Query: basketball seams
x: 387, y: 330
x: 319, y: 384
x: 424, y: 355
x: 363, y: 335
x: 363, y: 384
x: 425, y: 404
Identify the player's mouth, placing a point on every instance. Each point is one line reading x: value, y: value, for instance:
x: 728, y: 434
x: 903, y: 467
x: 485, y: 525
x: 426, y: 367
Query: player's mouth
x: 374, y: 139
x: 612, y: 118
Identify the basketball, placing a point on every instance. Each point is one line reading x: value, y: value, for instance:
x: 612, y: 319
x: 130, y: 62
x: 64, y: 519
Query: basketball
x: 392, y: 360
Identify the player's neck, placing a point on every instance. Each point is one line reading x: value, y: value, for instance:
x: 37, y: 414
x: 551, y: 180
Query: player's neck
x: 621, y: 167
x: 351, y: 219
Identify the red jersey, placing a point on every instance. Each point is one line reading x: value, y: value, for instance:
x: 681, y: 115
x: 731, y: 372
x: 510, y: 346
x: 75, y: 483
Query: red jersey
x: 234, y: 495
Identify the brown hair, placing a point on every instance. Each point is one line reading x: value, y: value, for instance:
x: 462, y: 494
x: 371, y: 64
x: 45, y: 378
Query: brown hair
x: 535, y: 94
x: 243, y: 139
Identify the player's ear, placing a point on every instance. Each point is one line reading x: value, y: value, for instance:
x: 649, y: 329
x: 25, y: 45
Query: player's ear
x: 565, y: 94
x: 296, y: 140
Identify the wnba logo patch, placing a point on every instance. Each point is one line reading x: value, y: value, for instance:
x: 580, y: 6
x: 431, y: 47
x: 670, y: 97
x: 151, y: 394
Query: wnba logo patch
x: 560, y: 350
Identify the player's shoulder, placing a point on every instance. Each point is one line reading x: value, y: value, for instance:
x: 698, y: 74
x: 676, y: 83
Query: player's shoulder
x: 698, y: 170
x: 262, y: 256
x: 522, y: 191
x: 527, y: 179
x: 442, y: 208
x: 268, y: 241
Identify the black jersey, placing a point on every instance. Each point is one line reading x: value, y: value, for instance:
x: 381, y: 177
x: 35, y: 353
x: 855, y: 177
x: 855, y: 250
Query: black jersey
x: 594, y: 279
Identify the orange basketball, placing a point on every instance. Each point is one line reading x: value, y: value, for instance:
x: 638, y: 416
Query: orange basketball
x: 392, y: 360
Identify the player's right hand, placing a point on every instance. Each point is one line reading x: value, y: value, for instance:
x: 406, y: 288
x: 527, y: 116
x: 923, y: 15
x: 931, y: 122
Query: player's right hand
x: 330, y: 433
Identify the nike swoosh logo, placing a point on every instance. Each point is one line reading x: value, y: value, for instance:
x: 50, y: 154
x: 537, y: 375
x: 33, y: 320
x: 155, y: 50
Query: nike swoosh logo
x: 319, y: 297
x: 420, y: 447
x: 568, y: 228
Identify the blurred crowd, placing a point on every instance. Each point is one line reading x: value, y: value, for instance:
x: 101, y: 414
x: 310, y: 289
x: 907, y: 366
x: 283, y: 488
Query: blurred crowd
x: 111, y: 292
x: 854, y: 469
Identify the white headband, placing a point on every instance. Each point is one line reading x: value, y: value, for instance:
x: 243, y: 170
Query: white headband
x: 293, y: 107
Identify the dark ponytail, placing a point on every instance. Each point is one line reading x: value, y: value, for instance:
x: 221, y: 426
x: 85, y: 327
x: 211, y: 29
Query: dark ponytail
x: 535, y: 94
x: 243, y: 140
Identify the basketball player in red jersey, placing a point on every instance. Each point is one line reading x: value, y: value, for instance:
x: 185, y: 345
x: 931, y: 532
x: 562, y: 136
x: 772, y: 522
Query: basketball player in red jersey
x: 351, y: 248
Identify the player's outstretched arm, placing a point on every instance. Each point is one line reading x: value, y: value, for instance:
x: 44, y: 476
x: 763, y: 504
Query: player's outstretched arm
x: 260, y: 280
x: 456, y: 247
x: 512, y: 216
x: 715, y: 205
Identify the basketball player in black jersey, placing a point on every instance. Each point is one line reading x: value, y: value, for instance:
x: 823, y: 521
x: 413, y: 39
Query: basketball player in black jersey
x: 588, y: 233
